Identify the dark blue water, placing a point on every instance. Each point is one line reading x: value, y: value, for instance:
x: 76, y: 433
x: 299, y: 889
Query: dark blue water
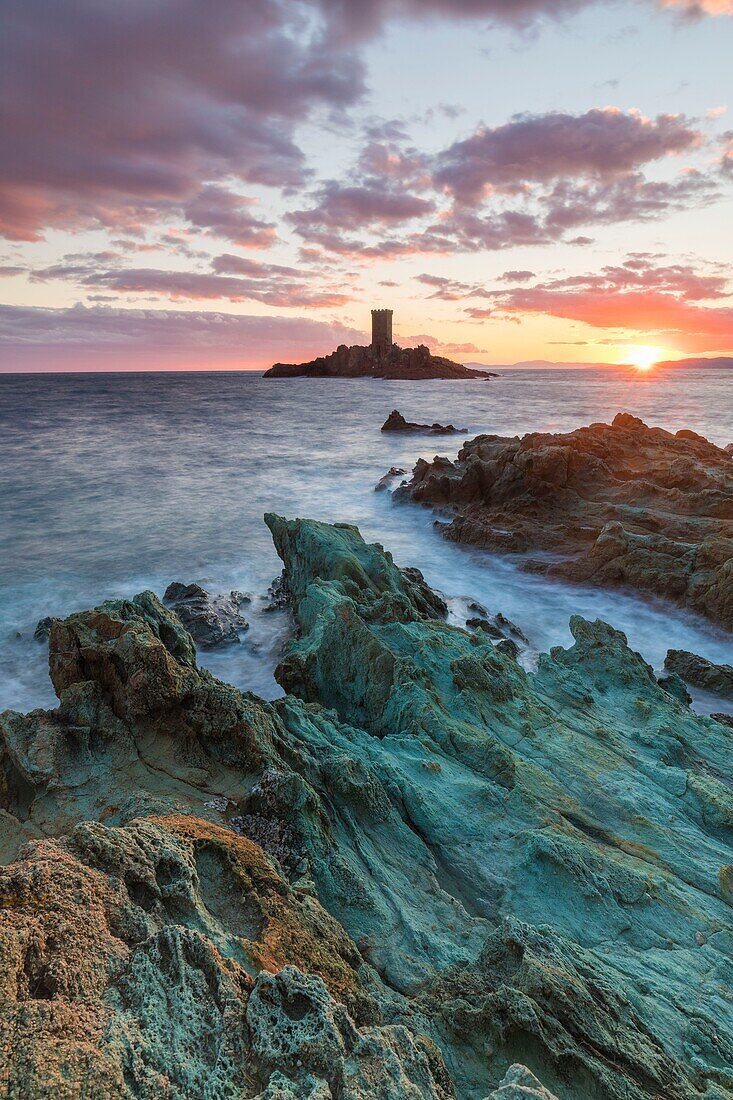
x: 114, y: 483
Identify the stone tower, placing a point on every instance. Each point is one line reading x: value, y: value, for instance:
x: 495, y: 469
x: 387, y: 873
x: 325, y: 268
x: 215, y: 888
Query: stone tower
x: 381, y: 329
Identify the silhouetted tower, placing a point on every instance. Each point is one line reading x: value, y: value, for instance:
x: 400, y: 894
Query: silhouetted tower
x: 381, y: 329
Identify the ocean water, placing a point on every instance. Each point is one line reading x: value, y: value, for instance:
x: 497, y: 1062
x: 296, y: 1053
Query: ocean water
x: 110, y: 484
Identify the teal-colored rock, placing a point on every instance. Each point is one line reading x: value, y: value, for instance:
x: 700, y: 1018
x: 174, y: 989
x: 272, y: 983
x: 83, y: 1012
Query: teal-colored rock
x: 423, y: 873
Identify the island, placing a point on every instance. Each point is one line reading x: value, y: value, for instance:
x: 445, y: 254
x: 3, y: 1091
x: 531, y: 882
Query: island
x: 380, y: 359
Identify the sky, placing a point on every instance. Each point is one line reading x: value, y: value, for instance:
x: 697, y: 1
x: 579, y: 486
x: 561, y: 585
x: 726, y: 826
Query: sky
x: 223, y: 185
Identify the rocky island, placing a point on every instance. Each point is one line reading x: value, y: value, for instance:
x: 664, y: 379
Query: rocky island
x: 613, y: 504
x: 380, y: 359
x: 423, y: 874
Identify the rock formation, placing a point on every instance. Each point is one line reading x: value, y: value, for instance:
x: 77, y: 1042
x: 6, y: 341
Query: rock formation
x: 423, y: 874
x: 701, y: 672
x: 620, y: 504
x: 210, y: 620
x: 386, y: 479
x: 396, y: 422
x: 369, y: 362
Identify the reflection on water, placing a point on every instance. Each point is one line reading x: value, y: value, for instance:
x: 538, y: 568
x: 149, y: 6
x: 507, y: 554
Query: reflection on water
x: 114, y: 483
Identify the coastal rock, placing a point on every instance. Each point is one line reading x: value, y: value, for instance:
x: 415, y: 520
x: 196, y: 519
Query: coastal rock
x: 621, y: 504
x: 43, y: 629
x: 396, y: 422
x: 359, y: 361
x: 210, y: 620
x: 127, y: 957
x: 420, y: 866
x: 521, y: 1084
x: 386, y: 479
x: 675, y: 685
x: 702, y: 673
x: 296, y: 1026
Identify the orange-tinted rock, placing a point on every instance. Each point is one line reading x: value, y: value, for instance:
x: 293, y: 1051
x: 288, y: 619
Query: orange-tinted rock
x: 620, y: 504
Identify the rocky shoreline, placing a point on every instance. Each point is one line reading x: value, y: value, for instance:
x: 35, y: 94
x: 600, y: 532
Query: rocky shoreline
x: 621, y: 505
x: 423, y: 873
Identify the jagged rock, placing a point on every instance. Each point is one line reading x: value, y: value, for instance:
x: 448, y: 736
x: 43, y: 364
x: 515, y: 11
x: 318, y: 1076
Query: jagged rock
x: 210, y: 620
x: 724, y: 719
x: 480, y: 623
x: 386, y: 479
x: 43, y: 629
x: 396, y: 422
x: 296, y: 1026
x: 521, y: 1084
x: 600, y: 881
x: 620, y: 504
x: 278, y: 595
x: 701, y: 672
x: 368, y: 362
x: 728, y: 448
x: 479, y: 863
x: 675, y: 685
x: 280, y: 1087
x: 126, y: 957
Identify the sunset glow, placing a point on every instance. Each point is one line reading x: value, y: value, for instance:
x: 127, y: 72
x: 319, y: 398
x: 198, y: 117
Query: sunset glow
x: 644, y: 357
x: 288, y: 166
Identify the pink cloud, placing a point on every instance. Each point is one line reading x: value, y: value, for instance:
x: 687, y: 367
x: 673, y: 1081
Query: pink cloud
x: 102, y: 338
x: 225, y: 214
x: 602, y: 144
x: 233, y: 278
x: 662, y: 302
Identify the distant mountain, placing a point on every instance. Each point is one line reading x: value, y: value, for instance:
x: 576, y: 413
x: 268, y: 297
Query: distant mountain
x: 534, y: 363
x: 720, y: 361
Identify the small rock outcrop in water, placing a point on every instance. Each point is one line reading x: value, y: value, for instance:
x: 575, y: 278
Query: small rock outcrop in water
x: 701, y: 672
x: 396, y: 422
x: 385, y: 479
x: 359, y: 361
x: 423, y: 874
x: 43, y: 629
x: 621, y: 504
x: 210, y: 620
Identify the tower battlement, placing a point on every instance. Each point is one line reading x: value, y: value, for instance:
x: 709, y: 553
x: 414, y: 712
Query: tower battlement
x: 381, y: 329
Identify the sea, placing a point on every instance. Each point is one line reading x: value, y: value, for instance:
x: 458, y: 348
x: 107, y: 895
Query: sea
x: 115, y: 483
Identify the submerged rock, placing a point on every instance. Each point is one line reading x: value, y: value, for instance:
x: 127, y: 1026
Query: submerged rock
x: 457, y: 864
x: 620, y: 504
x: 211, y: 620
x: 701, y: 672
x: 368, y: 362
x: 396, y: 422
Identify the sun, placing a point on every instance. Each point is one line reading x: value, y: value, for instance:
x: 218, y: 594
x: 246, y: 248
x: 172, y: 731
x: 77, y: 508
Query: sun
x: 644, y: 356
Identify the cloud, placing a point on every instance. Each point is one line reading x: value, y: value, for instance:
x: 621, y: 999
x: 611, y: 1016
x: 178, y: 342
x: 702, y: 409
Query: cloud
x: 112, y: 110
x: 124, y: 114
x: 531, y: 182
x: 225, y: 214
x: 517, y: 276
x: 232, y: 278
x: 109, y: 338
x: 697, y: 8
x: 450, y: 290
x: 602, y: 144
x: 358, y: 208
x: 660, y: 301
